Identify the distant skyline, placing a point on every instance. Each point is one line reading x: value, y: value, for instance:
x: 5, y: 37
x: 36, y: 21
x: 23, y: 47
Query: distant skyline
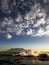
x: 24, y: 24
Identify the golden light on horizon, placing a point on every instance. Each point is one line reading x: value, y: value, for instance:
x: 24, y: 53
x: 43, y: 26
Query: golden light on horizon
x: 3, y: 49
x: 39, y: 49
x: 36, y: 51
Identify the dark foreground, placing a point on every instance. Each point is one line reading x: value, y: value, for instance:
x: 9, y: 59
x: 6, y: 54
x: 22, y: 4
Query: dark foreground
x: 13, y: 59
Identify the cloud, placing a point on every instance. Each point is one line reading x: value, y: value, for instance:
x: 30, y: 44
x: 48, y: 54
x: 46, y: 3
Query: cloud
x: 19, y: 29
x: 8, y: 36
x: 40, y: 32
x: 4, y: 5
x: 41, y: 15
x: 47, y: 27
x: 43, y: 31
x: 33, y: 12
x: 19, y: 18
x: 39, y: 22
x: 30, y: 32
x: 46, y: 1
x: 30, y: 20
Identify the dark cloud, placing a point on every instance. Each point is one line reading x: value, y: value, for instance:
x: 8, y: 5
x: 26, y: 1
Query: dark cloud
x: 45, y: 5
x: 13, y: 7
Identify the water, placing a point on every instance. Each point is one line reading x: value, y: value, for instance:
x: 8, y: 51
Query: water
x: 19, y: 60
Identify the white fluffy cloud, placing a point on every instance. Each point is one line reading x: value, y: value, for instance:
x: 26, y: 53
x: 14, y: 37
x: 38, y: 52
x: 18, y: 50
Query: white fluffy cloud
x: 8, y: 36
x: 39, y: 22
x: 41, y: 15
x: 40, y: 32
x: 33, y: 12
x: 30, y: 32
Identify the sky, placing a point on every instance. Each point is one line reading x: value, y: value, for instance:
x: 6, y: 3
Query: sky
x: 24, y: 24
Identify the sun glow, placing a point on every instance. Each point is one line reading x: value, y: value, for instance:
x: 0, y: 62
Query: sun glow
x: 36, y: 51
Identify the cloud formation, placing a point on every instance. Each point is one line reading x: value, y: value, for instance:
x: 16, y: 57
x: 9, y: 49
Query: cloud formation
x: 8, y: 36
x: 23, y: 18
